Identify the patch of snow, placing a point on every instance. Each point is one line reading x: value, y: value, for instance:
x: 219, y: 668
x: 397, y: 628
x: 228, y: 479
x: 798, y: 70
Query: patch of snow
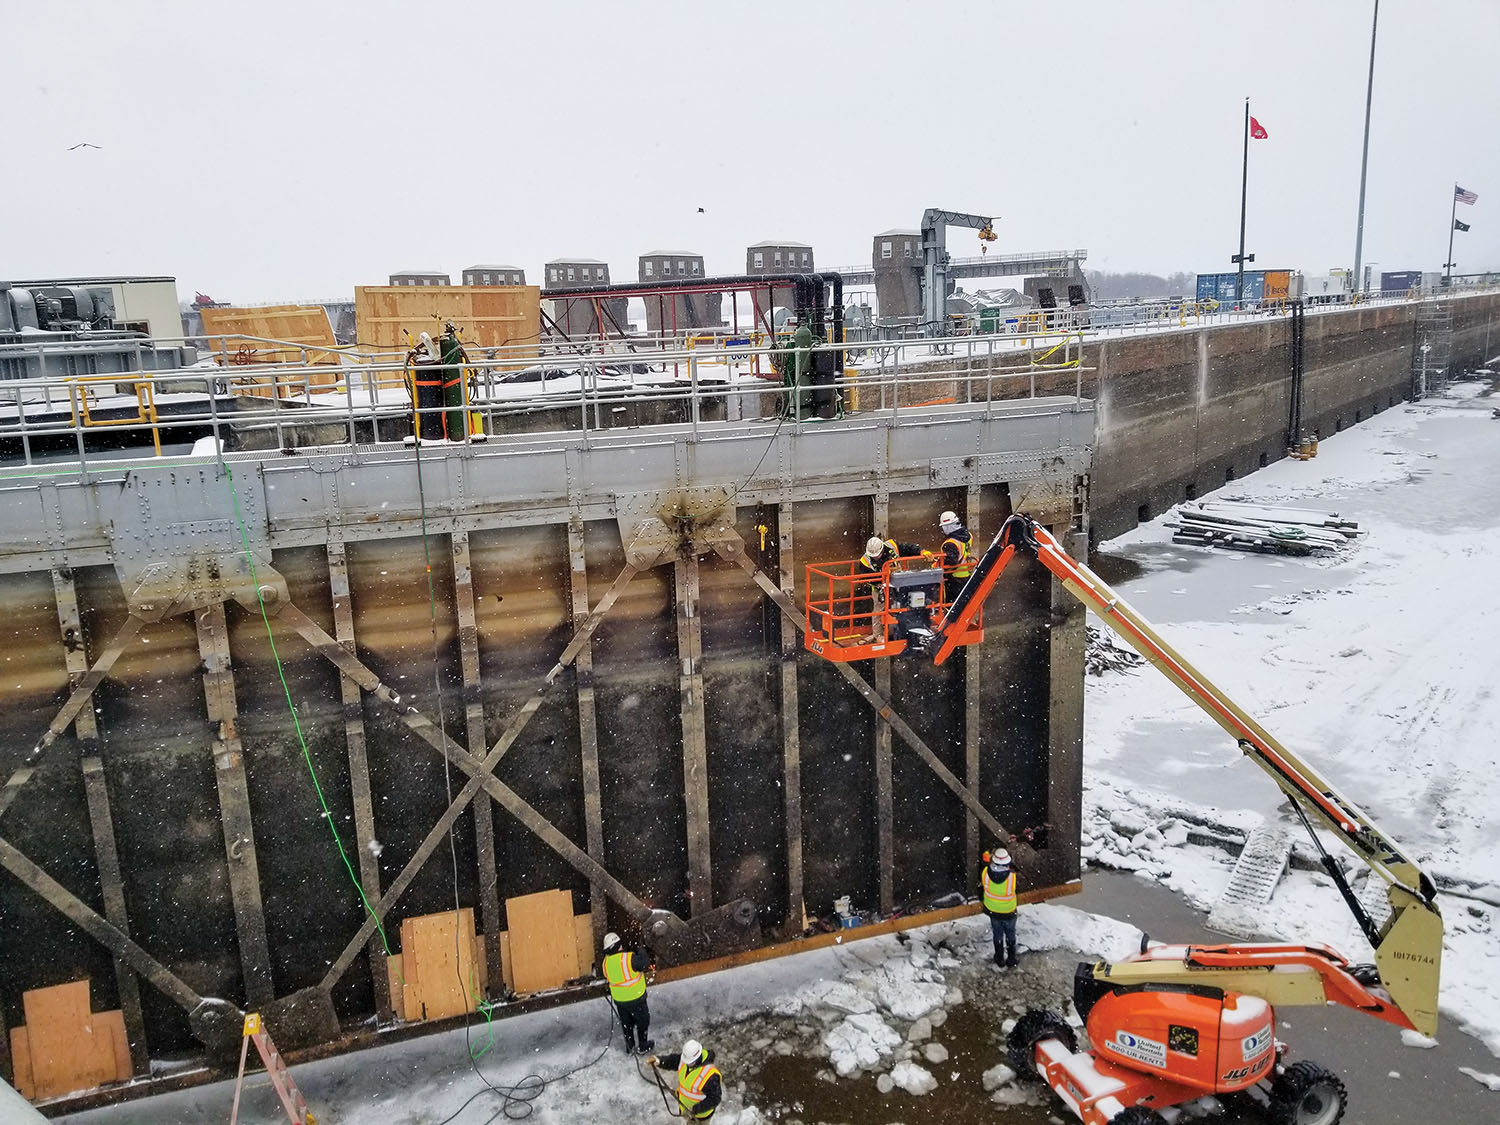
x: 1489, y: 1081
x: 1417, y: 1039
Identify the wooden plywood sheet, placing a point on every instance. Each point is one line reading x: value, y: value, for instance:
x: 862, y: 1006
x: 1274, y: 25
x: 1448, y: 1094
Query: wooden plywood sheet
x: 487, y: 316
x: 248, y: 329
x: 583, y: 926
x: 543, y: 940
x: 111, y: 1061
x: 437, y: 959
x: 20, y: 1058
x: 59, y: 1028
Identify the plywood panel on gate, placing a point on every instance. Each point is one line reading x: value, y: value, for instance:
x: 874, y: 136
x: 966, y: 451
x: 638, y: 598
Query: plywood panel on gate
x: 59, y: 1036
x: 64, y: 1047
x: 486, y: 316
x: 437, y: 962
x: 543, y: 940
x: 296, y: 324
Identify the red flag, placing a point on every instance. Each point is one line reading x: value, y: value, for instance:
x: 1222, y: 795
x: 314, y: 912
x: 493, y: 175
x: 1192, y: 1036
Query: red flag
x: 1257, y: 130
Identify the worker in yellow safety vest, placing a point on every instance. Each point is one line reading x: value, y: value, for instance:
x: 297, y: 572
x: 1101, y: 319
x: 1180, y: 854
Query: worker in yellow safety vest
x: 700, y: 1087
x: 957, y: 554
x: 997, y: 887
x: 880, y: 553
x: 625, y: 969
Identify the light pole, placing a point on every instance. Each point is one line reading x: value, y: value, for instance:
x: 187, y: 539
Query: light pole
x: 1239, y: 259
x: 1364, y: 160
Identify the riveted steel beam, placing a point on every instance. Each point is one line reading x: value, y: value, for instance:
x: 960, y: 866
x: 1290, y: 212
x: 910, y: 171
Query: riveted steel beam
x: 234, y: 805
x: 101, y: 820
x: 588, y: 724
x: 484, y: 824
x: 359, y: 770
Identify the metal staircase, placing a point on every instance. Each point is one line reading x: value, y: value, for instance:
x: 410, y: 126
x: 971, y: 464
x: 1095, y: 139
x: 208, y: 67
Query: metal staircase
x: 1433, y: 351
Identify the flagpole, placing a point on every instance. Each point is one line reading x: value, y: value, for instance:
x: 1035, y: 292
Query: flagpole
x: 1239, y: 281
x: 1364, y: 160
x: 1452, y: 216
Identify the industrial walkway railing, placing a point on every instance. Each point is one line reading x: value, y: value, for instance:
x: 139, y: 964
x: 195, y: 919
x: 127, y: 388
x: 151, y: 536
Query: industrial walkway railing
x: 367, y: 400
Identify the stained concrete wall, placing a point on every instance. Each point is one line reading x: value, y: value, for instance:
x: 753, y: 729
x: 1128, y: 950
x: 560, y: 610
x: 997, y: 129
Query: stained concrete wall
x: 1181, y: 412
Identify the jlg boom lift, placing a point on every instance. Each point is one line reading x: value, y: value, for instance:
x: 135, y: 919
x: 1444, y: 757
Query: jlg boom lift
x: 1174, y: 1022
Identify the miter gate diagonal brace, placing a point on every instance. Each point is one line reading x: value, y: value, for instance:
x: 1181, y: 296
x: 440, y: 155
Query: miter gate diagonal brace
x: 732, y: 549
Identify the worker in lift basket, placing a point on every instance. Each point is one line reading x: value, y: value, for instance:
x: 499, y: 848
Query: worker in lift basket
x: 625, y: 969
x: 997, y: 886
x: 880, y: 553
x: 700, y: 1088
x: 957, y: 555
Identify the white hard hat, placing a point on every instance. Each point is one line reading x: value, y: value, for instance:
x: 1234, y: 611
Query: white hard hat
x: 611, y: 940
x: 948, y: 521
x: 876, y: 546
x: 692, y: 1051
x: 1000, y: 858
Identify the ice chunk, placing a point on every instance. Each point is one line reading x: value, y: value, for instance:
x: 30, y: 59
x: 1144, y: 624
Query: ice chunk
x: 997, y: 1076
x: 913, y: 1079
x: 860, y: 1041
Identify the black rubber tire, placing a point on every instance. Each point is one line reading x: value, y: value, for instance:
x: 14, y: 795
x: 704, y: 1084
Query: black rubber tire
x: 1137, y: 1115
x: 1031, y: 1029
x: 1308, y: 1094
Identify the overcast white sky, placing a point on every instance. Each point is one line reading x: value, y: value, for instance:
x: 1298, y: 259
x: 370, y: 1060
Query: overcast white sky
x: 275, y: 150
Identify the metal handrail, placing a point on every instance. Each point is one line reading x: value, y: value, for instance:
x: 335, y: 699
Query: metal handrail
x: 373, y: 395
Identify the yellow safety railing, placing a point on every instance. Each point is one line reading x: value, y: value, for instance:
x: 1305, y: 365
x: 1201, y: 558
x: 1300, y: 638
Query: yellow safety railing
x: 145, y: 401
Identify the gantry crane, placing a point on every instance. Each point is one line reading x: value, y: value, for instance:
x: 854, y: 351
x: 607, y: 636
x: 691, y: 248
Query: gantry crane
x: 935, y: 224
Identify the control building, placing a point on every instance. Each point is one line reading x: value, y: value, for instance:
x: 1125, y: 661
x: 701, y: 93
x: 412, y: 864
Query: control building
x: 679, y: 313
x: 896, y: 257
x: 607, y: 316
x: 773, y: 258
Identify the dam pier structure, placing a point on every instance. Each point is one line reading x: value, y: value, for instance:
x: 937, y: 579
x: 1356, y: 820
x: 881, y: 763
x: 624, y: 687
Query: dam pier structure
x: 261, y: 707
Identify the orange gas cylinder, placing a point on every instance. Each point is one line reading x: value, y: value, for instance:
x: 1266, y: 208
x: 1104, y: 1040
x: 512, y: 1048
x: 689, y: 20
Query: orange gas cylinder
x: 1206, y: 1038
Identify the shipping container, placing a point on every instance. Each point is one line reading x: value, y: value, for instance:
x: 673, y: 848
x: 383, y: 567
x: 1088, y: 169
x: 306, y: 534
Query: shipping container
x: 1400, y: 282
x: 1260, y: 286
x: 1221, y: 287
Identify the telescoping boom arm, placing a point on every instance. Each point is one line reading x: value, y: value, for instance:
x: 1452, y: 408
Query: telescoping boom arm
x: 1408, y: 945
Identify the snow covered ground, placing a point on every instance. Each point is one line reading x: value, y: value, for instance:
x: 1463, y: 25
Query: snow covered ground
x: 1379, y: 667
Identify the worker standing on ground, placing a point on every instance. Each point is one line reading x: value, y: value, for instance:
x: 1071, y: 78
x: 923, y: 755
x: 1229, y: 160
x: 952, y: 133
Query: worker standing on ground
x: 625, y: 969
x: 700, y: 1087
x: 997, y: 886
x: 957, y: 555
x: 455, y: 417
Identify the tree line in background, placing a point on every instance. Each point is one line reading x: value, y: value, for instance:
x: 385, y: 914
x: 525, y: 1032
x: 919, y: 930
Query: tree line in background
x: 1121, y: 286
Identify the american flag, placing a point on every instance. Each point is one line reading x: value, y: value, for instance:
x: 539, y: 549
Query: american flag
x: 1464, y: 196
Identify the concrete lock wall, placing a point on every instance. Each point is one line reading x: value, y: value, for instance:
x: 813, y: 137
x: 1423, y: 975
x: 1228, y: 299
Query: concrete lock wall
x: 1181, y: 412
x: 1006, y: 714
